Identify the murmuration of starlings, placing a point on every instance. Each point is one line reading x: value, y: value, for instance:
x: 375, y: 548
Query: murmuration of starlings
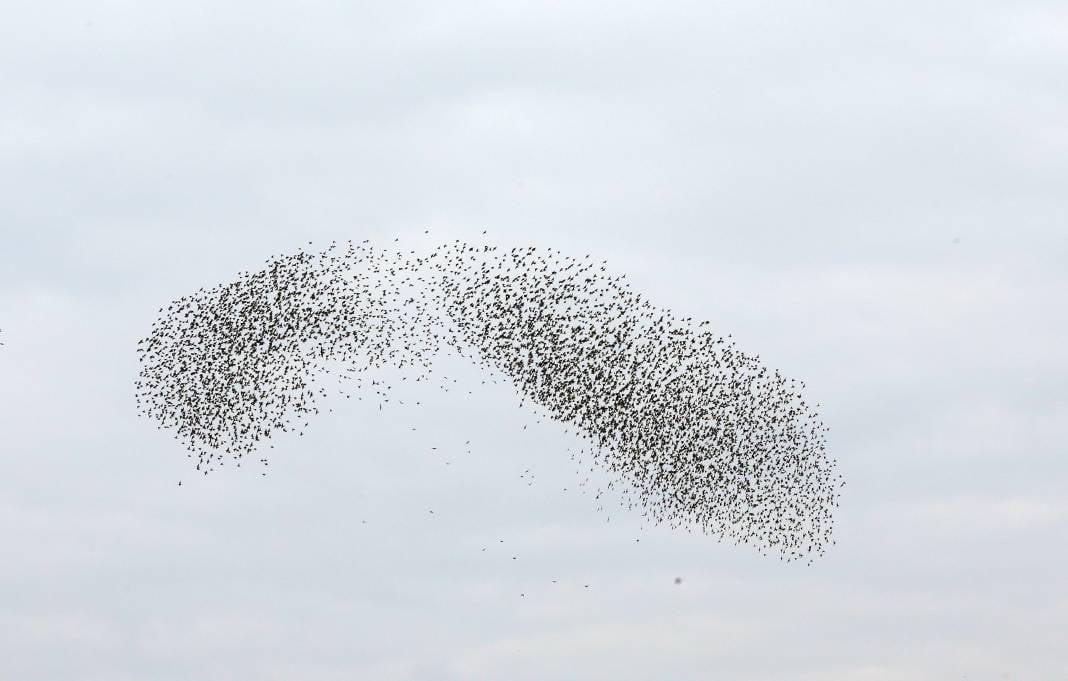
x: 704, y: 435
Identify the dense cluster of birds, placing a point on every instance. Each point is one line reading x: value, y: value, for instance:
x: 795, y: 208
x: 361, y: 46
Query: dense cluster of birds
x: 702, y: 434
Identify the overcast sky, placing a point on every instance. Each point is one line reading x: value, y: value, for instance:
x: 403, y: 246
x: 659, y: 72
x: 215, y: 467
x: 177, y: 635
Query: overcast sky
x: 869, y: 195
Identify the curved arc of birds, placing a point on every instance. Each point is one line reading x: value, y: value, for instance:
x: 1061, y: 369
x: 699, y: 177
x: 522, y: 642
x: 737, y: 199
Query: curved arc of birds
x: 705, y: 434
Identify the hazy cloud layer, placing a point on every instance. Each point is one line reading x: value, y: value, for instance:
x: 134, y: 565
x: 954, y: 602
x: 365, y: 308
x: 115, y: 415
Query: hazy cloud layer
x: 869, y: 195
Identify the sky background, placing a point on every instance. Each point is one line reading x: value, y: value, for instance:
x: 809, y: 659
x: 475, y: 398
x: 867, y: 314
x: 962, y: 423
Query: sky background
x: 869, y: 195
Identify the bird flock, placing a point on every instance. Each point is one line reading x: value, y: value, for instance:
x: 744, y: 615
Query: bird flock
x: 701, y: 434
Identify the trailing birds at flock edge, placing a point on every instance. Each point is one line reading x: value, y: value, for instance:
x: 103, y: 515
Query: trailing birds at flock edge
x: 702, y: 434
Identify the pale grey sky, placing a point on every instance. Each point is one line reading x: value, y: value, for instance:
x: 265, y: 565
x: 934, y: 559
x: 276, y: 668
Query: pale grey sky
x: 870, y: 195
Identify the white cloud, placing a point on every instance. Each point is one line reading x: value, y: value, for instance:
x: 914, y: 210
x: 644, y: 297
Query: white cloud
x: 796, y: 174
